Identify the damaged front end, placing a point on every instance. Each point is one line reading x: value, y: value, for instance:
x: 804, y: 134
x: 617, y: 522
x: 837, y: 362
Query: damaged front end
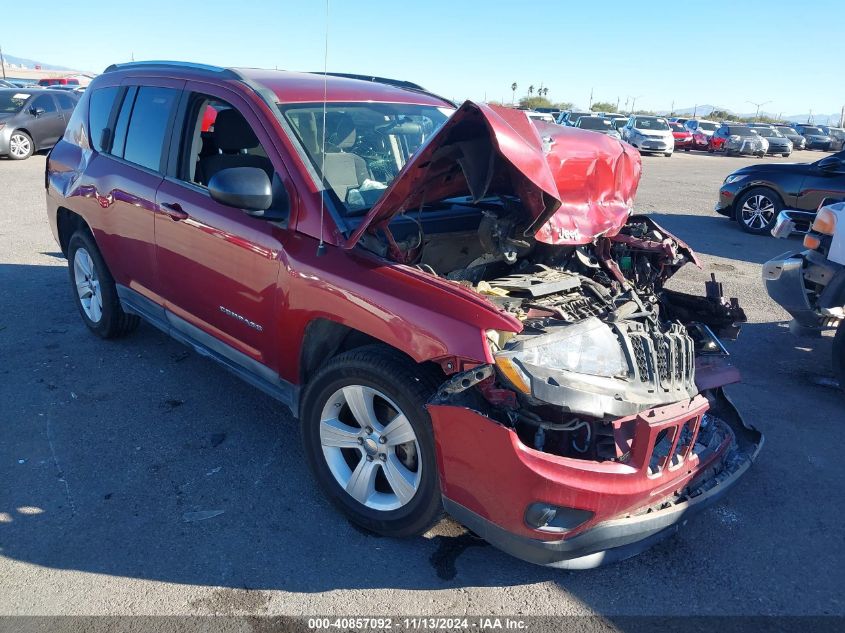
x: 601, y: 424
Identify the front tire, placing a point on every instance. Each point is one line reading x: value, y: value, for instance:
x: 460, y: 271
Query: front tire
x: 94, y: 290
x: 369, y: 442
x: 757, y: 210
x: 668, y: 154
x: 21, y: 146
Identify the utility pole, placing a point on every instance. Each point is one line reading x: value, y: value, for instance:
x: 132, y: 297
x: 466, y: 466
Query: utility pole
x: 590, y: 107
x: 695, y: 111
x: 617, y: 104
x: 634, y: 103
x: 842, y: 117
x: 3, y: 62
x: 672, y: 112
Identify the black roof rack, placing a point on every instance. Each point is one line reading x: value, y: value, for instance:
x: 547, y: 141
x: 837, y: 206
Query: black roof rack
x: 168, y: 65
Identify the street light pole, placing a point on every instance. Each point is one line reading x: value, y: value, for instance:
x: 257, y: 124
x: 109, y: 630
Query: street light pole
x: 759, y: 105
x: 3, y: 62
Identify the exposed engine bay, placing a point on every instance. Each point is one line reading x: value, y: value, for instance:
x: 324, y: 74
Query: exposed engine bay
x: 602, y: 338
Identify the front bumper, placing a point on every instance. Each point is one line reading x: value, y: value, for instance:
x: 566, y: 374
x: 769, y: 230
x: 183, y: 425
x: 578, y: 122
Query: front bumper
x: 655, y: 145
x: 489, y: 478
x: 779, y: 149
x: 793, y: 221
x: 5, y: 139
x: 728, y: 193
x: 784, y: 278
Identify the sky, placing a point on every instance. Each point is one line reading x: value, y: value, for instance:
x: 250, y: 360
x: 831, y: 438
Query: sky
x: 720, y: 53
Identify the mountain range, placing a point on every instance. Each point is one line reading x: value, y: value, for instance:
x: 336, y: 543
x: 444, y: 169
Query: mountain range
x: 706, y: 109
x: 31, y: 63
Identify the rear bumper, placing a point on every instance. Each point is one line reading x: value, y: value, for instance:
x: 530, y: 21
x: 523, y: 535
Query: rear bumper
x: 489, y: 478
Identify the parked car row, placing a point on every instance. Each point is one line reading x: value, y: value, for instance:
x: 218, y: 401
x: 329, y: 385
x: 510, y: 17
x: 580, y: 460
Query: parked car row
x: 652, y: 134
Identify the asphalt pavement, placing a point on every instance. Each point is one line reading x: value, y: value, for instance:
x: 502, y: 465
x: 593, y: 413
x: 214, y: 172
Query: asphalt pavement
x: 138, y: 478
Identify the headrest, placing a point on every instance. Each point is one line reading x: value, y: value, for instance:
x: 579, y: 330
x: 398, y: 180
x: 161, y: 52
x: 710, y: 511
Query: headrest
x: 232, y: 133
x: 340, y: 130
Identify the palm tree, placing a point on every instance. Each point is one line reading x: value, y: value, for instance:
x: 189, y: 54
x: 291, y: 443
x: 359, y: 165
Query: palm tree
x: 545, y: 91
x: 513, y: 90
x: 530, y: 90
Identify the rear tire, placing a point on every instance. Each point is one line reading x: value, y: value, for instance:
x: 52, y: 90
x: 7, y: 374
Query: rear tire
x: 668, y: 154
x: 94, y: 290
x: 757, y: 210
x: 785, y: 155
x: 348, y: 410
x: 839, y: 355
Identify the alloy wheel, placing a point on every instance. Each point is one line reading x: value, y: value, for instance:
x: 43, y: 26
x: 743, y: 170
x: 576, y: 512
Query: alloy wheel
x: 87, y: 285
x: 370, y: 448
x: 758, y: 211
x: 20, y: 146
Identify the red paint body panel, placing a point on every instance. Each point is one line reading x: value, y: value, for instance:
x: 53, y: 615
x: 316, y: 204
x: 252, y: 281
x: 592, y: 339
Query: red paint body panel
x: 486, y: 468
x: 715, y: 143
x: 573, y: 184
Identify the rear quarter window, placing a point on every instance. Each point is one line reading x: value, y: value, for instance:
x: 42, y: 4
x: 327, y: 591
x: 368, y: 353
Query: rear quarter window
x: 100, y: 106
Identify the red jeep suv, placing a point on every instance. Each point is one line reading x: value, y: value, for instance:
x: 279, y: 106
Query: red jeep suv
x: 456, y: 302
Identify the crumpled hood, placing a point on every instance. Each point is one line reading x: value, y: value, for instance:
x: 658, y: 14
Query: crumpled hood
x: 574, y: 185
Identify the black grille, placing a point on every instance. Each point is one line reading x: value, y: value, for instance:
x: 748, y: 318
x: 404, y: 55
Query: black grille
x: 664, y: 359
x: 640, y: 346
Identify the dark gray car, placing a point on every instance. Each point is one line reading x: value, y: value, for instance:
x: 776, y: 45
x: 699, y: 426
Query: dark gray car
x: 32, y: 120
x: 798, y: 141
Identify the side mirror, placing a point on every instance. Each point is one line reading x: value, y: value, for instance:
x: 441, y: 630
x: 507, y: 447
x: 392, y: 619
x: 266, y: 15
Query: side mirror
x: 246, y: 188
x: 37, y: 112
x: 830, y: 164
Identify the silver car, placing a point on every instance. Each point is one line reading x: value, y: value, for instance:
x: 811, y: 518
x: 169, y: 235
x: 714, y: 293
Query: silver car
x: 649, y: 134
x: 598, y: 124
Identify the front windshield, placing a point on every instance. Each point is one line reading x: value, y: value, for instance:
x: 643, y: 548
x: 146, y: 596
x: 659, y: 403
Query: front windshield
x: 812, y: 130
x: 677, y: 127
x: 594, y: 123
x: 11, y: 101
x: 644, y: 123
x: 367, y: 144
x: 705, y: 125
x: 787, y: 130
x: 620, y: 123
x: 742, y: 131
x: 768, y: 132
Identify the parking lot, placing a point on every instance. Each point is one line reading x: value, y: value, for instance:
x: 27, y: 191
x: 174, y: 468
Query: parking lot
x: 109, y: 450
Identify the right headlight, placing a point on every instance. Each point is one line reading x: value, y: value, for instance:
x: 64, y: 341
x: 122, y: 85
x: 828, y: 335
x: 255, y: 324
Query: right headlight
x: 589, y: 347
x: 733, y: 178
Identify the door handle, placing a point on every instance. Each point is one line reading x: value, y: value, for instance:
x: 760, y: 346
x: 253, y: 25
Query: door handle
x: 174, y: 210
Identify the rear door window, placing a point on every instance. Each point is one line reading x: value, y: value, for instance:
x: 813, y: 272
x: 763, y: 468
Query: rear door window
x: 65, y: 102
x: 149, y: 125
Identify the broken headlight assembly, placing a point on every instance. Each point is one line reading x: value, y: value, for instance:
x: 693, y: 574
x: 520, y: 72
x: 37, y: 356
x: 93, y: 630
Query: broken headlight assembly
x: 588, y: 347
